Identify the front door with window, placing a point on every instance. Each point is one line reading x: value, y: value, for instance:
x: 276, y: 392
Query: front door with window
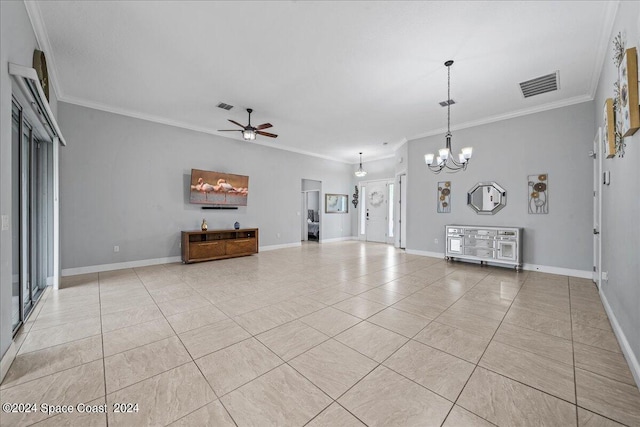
x: 376, y: 211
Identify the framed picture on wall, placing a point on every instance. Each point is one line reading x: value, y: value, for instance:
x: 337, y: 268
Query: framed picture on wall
x: 608, y: 129
x: 628, y: 81
x: 336, y: 203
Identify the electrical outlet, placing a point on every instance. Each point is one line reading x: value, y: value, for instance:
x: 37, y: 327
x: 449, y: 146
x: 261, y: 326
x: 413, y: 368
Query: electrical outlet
x: 605, y: 276
x: 116, y: 249
x: 435, y: 240
x: 5, y: 222
x: 278, y: 235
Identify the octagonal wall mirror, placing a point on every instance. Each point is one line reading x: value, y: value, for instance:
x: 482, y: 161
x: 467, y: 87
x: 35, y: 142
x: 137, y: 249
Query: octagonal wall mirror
x: 487, y: 198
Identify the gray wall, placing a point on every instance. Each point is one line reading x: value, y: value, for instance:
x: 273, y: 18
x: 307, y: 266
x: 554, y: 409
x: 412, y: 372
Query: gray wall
x: 555, y: 142
x: 125, y: 182
x: 17, y: 42
x: 620, y: 201
x: 309, y: 184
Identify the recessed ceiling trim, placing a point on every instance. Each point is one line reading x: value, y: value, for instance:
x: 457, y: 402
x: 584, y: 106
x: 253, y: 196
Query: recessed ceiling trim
x: 524, y: 112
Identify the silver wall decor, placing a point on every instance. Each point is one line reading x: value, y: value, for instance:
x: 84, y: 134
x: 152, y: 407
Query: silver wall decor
x: 487, y: 198
x: 444, y: 197
x: 538, y: 187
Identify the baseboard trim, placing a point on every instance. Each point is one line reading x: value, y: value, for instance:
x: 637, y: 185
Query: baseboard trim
x: 529, y: 267
x: 558, y: 270
x: 7, y: 360
x: 146, y: 262
x: 425, y: 253
x: 283, y: 246
x: 337, y: 239
x: 632, y: 358
x: 119, y: 266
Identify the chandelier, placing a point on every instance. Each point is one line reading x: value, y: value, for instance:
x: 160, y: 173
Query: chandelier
x: 360, y: 172
x: 445, y: 159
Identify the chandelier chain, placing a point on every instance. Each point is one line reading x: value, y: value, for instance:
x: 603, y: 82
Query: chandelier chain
x: 448, y: 99
x: 446, y: 160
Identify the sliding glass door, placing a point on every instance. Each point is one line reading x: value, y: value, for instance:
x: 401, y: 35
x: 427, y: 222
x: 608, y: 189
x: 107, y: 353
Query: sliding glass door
x: 32, y: 216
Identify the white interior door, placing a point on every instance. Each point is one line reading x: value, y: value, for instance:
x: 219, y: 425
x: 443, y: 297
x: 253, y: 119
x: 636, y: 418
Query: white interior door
x: 403, y: 212
x: 597, y: 208
x: 376, y: 205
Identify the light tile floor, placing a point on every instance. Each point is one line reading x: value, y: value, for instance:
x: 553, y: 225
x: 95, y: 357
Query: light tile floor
x: 340, y: 334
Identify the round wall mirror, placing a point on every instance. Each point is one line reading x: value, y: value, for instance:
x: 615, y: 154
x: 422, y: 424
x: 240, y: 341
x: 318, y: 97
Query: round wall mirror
x: 487, y: 198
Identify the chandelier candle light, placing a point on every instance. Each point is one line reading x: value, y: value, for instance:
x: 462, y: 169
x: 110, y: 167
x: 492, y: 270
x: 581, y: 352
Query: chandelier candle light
x: 360, y: 172
x: 445, y: 158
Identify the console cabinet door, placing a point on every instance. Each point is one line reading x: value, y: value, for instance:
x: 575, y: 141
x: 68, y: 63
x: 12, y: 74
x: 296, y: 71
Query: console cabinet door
x: 207, y: 249
x: 507, y: 250
x: 241, y: 246
x: 454, y: 245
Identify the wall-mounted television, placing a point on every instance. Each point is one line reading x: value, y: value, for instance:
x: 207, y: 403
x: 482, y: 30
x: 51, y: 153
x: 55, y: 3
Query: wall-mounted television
x: 218, y: 189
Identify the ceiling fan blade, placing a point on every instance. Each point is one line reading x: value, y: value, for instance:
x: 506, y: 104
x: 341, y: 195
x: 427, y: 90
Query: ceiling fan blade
x: 229, y: 130
x: 236, y: 123
x: 270, y: 135
x: 264, y: 126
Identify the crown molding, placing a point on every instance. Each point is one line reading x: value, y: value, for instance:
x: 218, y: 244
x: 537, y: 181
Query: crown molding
x: 506, y: 116
x: 611, y: 10
x: 42, y: 37
x: 188, y: 126
x: 399, y: 144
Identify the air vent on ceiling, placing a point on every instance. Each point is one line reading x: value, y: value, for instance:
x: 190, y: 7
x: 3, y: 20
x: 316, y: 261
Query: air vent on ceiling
x: 225, y: 106
x: 447, y: 102
x: 539, y: 85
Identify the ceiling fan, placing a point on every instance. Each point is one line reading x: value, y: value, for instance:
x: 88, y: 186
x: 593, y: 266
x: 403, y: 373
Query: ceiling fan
x: 249, y: 132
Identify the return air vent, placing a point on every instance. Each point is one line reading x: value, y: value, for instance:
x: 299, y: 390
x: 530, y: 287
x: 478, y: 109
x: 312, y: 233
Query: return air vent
x: 447, y: 102
x: 540, y: 85
x: 225, y: 106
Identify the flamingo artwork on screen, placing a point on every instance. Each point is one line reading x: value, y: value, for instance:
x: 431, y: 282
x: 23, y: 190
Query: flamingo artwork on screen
x: 218, y: 188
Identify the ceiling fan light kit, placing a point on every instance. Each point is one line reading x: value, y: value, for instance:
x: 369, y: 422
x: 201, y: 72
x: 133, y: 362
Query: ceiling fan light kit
x: 360, y: 172
x: 249, y: 132
x: 445, y: 160
x: 248, y: 135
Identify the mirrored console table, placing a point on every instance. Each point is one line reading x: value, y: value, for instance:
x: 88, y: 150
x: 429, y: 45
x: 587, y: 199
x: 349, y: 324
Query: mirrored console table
x: 494, y: 245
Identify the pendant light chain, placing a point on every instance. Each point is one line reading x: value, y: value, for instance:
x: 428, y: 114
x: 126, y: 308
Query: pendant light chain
x: 445, y: 159
x: 448, y: 99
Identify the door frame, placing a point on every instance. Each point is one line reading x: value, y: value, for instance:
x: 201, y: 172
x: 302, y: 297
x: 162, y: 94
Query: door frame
x: 303, y: 215
x: 363, y: 203
x: 597, y: 155
x: 401, y: 216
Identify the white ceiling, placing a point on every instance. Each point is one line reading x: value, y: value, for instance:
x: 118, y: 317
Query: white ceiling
x: 334, y: 78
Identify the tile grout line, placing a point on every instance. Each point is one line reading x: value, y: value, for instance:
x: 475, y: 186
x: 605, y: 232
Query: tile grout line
x: 574, y: 369
x: 306, y: 293
x: 104, y: 366
x: 376, y: 367
x: 482, y: 355
x: 573, y: 355
x: 382, y: 363
x: 194, y: 363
